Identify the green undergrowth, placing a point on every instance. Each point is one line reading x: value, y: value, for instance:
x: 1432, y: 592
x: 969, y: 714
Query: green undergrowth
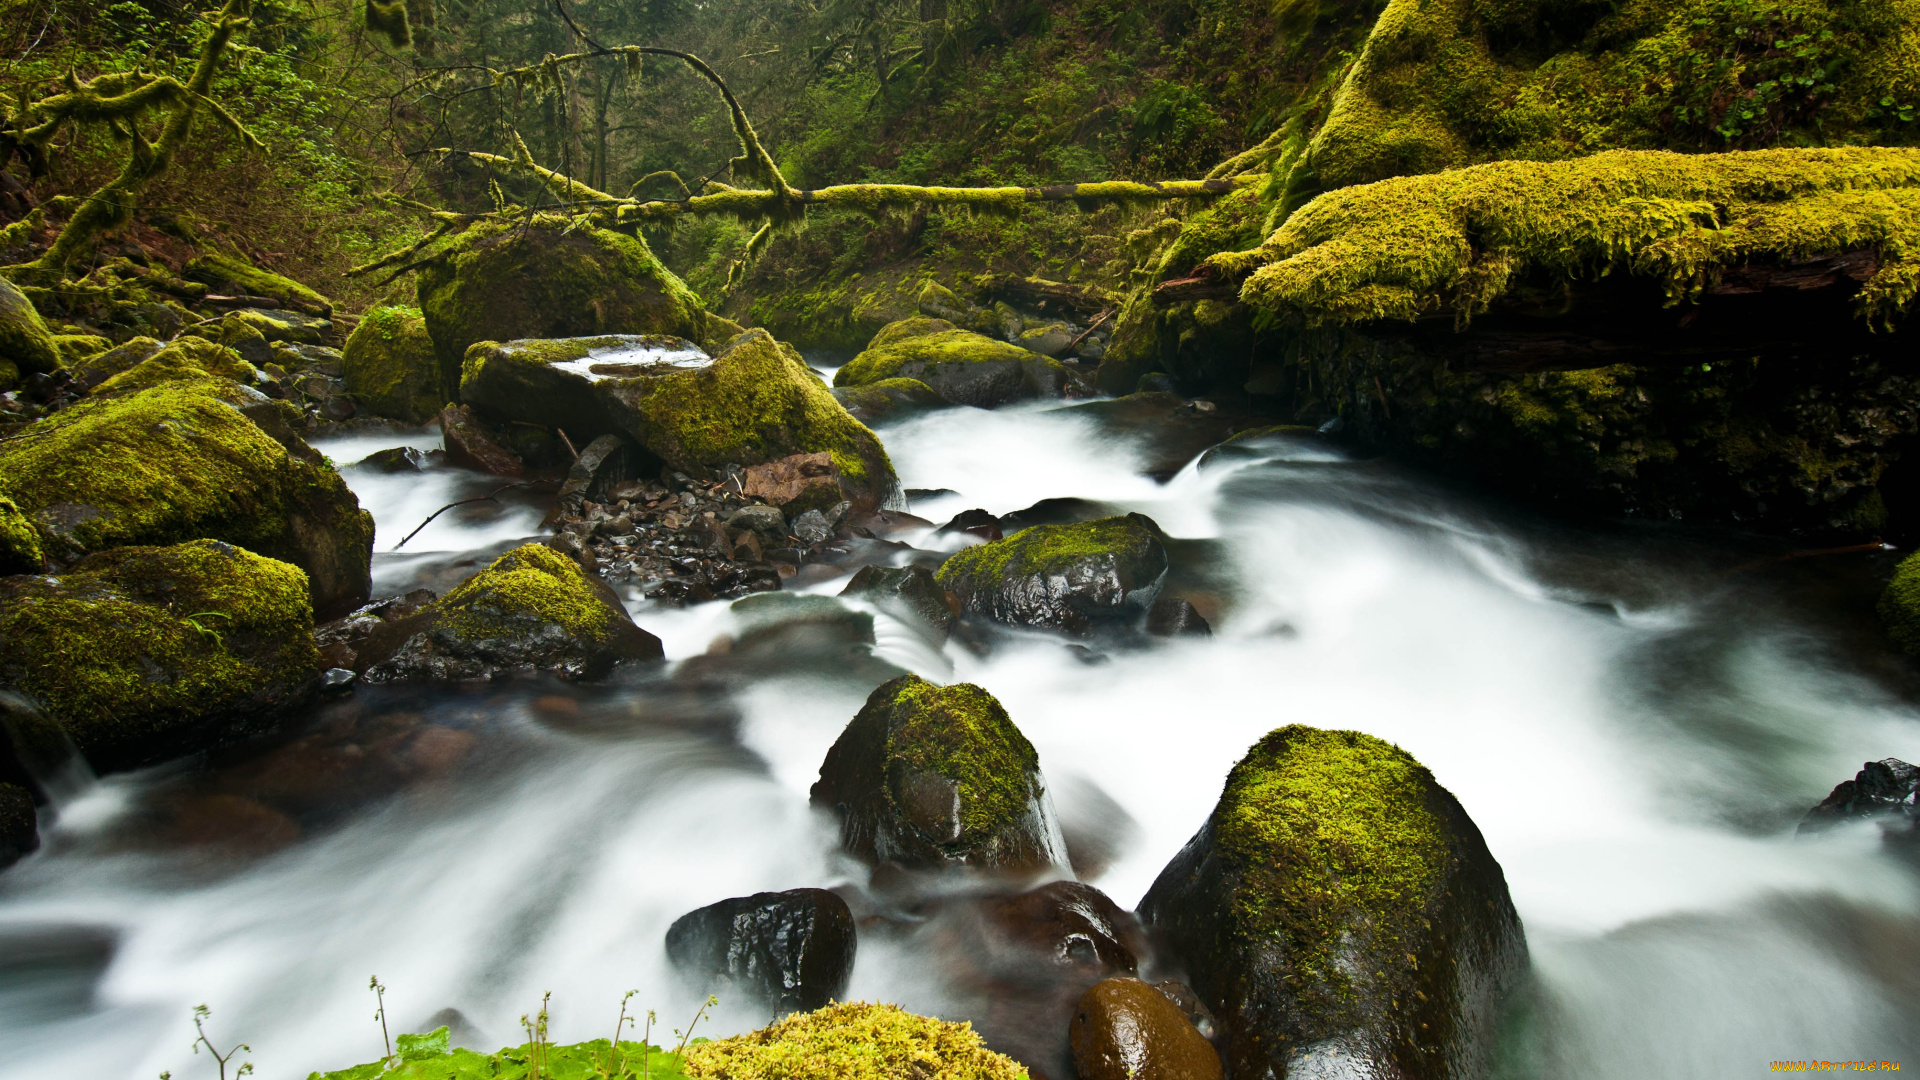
x: 1459, y: 240
x: 428, y: 1057
x: 963, y: 733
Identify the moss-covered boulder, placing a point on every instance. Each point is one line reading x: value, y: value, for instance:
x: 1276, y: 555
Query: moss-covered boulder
x: 185, y: 360
x: 74, y: 348
x: 961, y: 366
x: 290, y: 326
x: 1062, y: 577
x: 931, y: 777
x: 752, y: 403
x: 20, y: 551
x: 888, y: 399
x: 533, y: 609
x: 509, y: 281
x: 100, y: 367
x: 390, y: 367
x: 243, y: 278
x: 1339, y: 911
x: 142, y: 654
x: 178, y: 462
x: 1899, y: 604
x: 26, y: 345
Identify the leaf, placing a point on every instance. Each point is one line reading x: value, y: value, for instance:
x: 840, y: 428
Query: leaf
x: 433, y: 1044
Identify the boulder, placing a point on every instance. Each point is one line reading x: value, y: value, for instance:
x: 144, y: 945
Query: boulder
x: 796, y: 483
x: 1170, y: 429
x: 888, y: 399
x: 472, y: 445
x: 187, y: 360
x: 1888, y: 789
x: 1899, y: 605
x: 26, y: 346
x: 505, y: 281
x: 1175, y: 616
x: 905, y: 591
x: 390, y: 367
x: 19, y: 541
x: 1070, y: 578
x: 73, y: 348
x: 142, y: 654
x: 532, y: 609
x: 289, y: 326
x: 754, y: 402
x: 792, y: 950
x: 1340, y: 912
x: 961, y: 366
x: 1125, y: 1029
x: 396, y: 459
x: 1049, y: 340
x: 930, y: 777
x: 244, y: 279
x: 98, y: 368
x: 179, y: 462
x: 19, y: 825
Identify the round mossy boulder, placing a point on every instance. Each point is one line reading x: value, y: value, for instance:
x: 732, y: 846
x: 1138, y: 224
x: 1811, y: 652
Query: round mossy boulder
x: 1900, y: 605
x: 532, y: 609
x: 26, y: 345
x: 19, y: 541
x: 928, y: 777
x: 506, y: 281
x: 390, y: 367
x: 1339, y: 911
x: 142, y: 654
x: 186, y: 360
x: 752, y: 403
x: 178, y: 462
x: 1062, y: 577
x: 961, y: 366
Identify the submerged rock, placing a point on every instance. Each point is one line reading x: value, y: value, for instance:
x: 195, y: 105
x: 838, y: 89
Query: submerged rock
x: 752, y: 403
x: 19, y: 825
x: 142, y: 654
x: 906, y: 591
x: 888, y: 399
x: 1888, y: 789
x: 1339, y: 910
x: 533, y: 608
x: 175, y: 463
x: 1175, y: 616
x: 1062, y: 577
x: 963, y: 367
x: 793, y: 950
x: 1125, y: 1029
x: 390, y: 367
x: 929, y: 777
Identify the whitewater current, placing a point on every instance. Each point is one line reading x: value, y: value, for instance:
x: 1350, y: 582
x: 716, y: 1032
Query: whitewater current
x: 1635, y: 716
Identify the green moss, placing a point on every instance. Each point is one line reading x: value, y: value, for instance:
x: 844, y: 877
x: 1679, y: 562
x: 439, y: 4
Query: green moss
x: 593, y: 1060
x: 131, y: 646
x: 1045, y: 550
x: 915, y: 356
x: 917, y: 326
x: 1900, y: 605
x: 390, y: 367
x: 250, y: 280
x: 887, y: 398
x: 186, y: 360
x: 962, y: 733
x: 74, y: 348
x: 284, y: 326
x: 853, y: 1041
x: 1333, y: 833
x: 25, y: 343
x: 1458, y: 240
x: 529, y: 580
x: 96, y: 369
x: 19, y: 542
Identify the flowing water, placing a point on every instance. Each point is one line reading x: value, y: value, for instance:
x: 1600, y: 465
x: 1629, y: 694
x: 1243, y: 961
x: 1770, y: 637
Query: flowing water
x: 1635, y: 716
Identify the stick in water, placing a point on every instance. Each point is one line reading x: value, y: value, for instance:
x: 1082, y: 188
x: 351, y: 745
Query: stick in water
x: 449, y: 506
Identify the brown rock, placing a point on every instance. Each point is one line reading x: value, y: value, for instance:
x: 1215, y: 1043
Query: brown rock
x: 238, y: 824
x: 798, y: 483
x: 471, y: 446
x: 438, y: 748
x: 1125, y: 1029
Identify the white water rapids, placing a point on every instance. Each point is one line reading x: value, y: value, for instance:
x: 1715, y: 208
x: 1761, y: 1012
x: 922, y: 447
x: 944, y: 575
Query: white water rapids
x: 1634, y: 727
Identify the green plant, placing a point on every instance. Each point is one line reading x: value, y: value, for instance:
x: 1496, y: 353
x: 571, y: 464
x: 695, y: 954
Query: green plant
x: 200, y: 1015
x: 380, y: 1013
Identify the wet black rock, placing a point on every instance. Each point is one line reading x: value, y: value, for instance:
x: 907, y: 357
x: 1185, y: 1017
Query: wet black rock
x: 1125, y: 1029
x: 1342, y: 915
x: 19, y: 825
x: 794, y: 632
x: 604, y: 463
x: 1098, y: 830
x: 1062, y: 577
x: 767, y: 521
x: 905, y: 591
x: 397, y: 459
x: 1175, y: 429
x: 1060, y: 511
x: 791, y: 950
x: 975, y: 522
x: 1887, y: 789
x: 1174, y: 616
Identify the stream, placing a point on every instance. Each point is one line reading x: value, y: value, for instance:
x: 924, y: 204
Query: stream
x: 1635, y: 715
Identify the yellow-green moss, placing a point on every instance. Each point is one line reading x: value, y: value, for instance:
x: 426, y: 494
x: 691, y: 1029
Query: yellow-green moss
x: 1457, y: 240
x: 227, y: 271
x: 134, y: 644
x: 1900, y: 605
x: 911, y: 356
x: 25, y: 343
x: 390, y: 367
x: 429, y: 1057
x: 888, y: 397
x: 963, y: 733
x: 19, y: 542
x: 186, y: 360
x: 853, y: 1041
x: 1045, y: 550
x: 917, y: 326
x: 74, y: 348
x: 100, y: 367
x: 532, y: 579
x: 1333, y: 833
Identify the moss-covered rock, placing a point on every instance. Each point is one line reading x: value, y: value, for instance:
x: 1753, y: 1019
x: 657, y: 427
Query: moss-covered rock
x: 1062, y: 577
x: 509, y: 281
x: 888, y: 399
x: 532, y: 609
x: 178, y: 462
x: 74, y: 348
x: 26, y: 346
x: 1899, y: 604
x: 755, y: 402
x: 19, y: 541
x: 146, y: 653
x: 185, y: 360
x: 961, y: 366
x: 929, y: 777
x: 100, y: 367
x: 1339, y: 904
x: 245, y: 279
x: 292, y: 326
x: 391, y: 369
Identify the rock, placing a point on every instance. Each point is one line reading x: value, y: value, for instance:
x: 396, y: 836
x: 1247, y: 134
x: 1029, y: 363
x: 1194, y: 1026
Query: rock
x: 19, y: 825
x: 514, y: 281
x: 276, y: 325
x: 239, y: 335
x: 471, y: 446
x: 1062, y: 577
x: 1057, y: 511
x: 1171, y: 428
x: 928, y: 777
x: 888, y: 399
x: 963, y: 367
x: 188, y: 360
x: 765, y: 521
x: 905, y: 591
x: 1097, y: 829
x: 320, y: 359
x: 396, y: 459
x: 1174, y: 616
x: 97, y: 369
x: 1899, y: 605
x: 245, y: 279
x: 74, y: 348
x: 754, y: 402
x: 389, y: 365
x: 1339, y: 905
x: 1125, y: 1029
x: 143, y: 654
x: 1888, y: 788
x: 26, y: 346
x: 603, y: 463
x: 20, y: 551
x: 783, y: 632
x: 175, y: 463
x: 792, y: 950
x: 796, y: 484
x: 811, y: 528
x: 1049, y: 340
x: 854, y: 1040
x: 975, y: 522
x: 533, y: 608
